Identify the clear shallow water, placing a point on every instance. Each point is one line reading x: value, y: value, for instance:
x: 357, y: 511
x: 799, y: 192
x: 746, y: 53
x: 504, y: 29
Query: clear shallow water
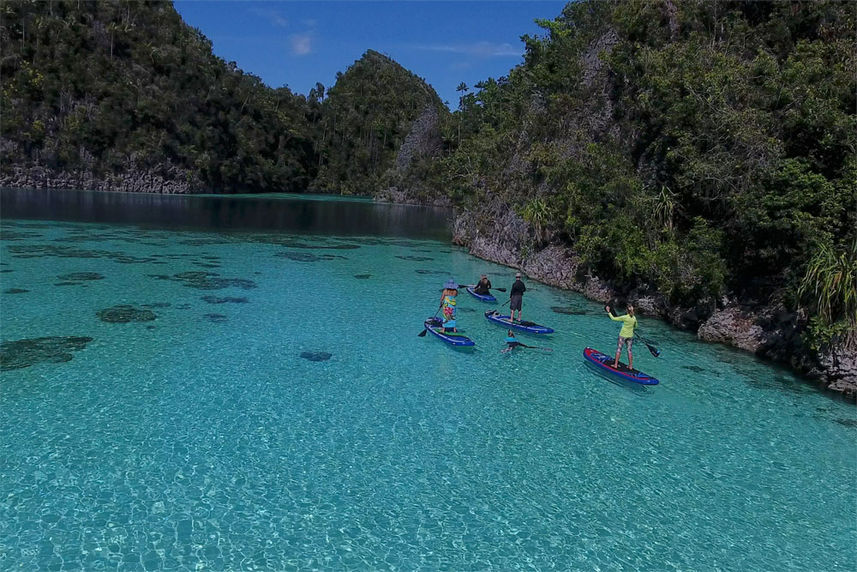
x: 202, y: 438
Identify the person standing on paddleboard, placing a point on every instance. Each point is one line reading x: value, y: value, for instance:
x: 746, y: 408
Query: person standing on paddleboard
x: 516, y: 297
x: 447, y: 305
x: 483, y: 287
x: 626, y: 334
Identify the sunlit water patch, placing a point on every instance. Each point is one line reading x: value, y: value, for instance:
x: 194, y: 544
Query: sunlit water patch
x: 280, y: 411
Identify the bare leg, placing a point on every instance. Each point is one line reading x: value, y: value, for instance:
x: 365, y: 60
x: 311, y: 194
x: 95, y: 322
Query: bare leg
x: 616, y: 361
x: 630, y: 359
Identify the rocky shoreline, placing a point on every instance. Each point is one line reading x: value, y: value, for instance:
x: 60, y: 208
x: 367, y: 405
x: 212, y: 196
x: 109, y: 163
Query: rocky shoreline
x: 769, y: 331
x: 164, y: 179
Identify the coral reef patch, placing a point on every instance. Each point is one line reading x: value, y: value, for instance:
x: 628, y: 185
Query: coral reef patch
x: 225, y: 300
x: 125, y: 313
x: 316, y: 356
x: 54, y: 349
x: 202, y: 280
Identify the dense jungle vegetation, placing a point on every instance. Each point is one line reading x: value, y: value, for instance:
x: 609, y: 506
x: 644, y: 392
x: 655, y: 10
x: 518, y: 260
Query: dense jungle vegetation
x: 364, y: 120
x: 703, y: 148
x: 116, y: 86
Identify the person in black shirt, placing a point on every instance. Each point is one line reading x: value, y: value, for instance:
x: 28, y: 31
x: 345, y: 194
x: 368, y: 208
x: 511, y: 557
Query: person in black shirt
x: 516, y: 296
x: 483, y: 286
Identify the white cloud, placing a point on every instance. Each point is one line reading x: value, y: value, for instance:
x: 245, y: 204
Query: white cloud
x: 272, y: 16
x: 301, y: 44
x: 478, y: 49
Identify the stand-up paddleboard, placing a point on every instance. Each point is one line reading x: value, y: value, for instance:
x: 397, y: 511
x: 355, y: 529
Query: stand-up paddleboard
x: 506, y: 322
x: 483, y: 297
x: 434, y: 326
x: 605, y: 363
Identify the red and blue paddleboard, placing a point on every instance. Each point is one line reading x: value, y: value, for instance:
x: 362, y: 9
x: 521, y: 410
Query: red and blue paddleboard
x: 605, y: 363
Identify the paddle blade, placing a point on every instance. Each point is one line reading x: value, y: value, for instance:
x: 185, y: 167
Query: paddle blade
x: 653, y: 350
x: 500, y: 289
x: 422, y: 334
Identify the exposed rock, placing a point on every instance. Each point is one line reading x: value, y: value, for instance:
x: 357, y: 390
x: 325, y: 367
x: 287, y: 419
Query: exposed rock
x: 423, y: 140
x: 733, y: 327
x: 839, y: 365
x: 163, y: 179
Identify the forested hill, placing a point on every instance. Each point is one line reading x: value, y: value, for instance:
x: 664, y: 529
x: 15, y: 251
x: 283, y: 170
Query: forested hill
x: 109, y: 88
x: 700, y: 155
x: 364, y: 120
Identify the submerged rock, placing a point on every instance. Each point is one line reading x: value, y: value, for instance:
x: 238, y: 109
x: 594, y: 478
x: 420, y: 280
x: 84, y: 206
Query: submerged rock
x: 316, y: 356
x: 78, y: 276
x: 202, y: 280
x: 416, y: 258
x: 14, y: 291
x: 124, y: 313
x: 308, y: 256
x: 362, y: 276
x: 225, y: 300
x: 569, y: 311
x: 55, y: 349
x: 216, y: 318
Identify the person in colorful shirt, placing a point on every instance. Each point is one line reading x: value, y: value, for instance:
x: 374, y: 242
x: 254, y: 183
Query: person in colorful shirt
x: 626, y: 334
x: 447, y: 305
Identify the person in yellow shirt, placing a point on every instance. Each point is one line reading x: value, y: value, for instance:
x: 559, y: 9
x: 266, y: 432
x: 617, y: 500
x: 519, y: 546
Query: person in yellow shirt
x: 626, y: 334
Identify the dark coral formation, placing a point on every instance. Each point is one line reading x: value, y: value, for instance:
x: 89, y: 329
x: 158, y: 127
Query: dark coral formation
x: 206, y: 280
x: 571, y: 311
x: 307, y: 256
x: 51, y: 250
x: 14, y: 291
x: 124, y: 313
x: 55, y: 349
x: 216, y: 318
x: 415, y: 258
x: 316, y: 356
x: 362, y: 276
x: 79, y: 276
x: 225, y: 300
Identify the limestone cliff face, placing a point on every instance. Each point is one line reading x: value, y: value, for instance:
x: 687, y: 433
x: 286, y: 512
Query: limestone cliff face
x: 168, y: 180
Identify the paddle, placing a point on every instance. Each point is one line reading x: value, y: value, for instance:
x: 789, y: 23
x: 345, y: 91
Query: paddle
x: 425, y: 330
x: 649, y: 345
x: 474, y: 286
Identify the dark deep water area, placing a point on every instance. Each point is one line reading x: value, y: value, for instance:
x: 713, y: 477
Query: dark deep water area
x: 301, y: 214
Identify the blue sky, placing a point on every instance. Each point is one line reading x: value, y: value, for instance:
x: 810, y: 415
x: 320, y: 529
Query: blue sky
x: 300, y: 43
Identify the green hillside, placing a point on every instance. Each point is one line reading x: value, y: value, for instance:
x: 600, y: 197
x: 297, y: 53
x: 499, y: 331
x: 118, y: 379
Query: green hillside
x: 364, y: 120
x: 112, y: 87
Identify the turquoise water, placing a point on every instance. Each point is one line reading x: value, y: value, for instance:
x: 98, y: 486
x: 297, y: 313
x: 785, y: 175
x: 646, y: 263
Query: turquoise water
x: 199, y: 438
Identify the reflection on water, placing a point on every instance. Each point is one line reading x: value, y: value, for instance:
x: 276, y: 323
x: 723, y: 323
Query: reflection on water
x: 322, y: 215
